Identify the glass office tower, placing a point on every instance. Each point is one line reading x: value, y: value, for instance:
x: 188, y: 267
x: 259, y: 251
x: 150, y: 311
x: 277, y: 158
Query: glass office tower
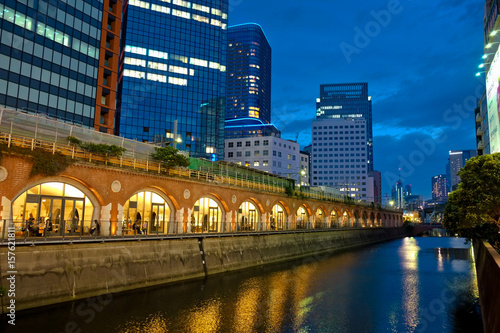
x: 347, y: 100
x: 53, y: 56
x: 173, y: 74
x: 248, y: 73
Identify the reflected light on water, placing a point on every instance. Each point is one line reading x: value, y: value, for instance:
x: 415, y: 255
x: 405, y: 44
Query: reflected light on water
x: 278, y: 292
x: 247, y: 311
x: 152, y: 324
x: 205, y: 318
x: 440, y: 259
x: 302, y: 278
x: 409, y: 254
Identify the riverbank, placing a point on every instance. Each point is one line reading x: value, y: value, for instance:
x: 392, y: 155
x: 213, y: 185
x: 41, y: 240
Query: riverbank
x: 488, y: 274
x: 50, y: 274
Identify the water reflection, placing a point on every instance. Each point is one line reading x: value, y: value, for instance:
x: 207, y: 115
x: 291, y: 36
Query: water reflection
x: 384, y: 288
x: 410, y: 281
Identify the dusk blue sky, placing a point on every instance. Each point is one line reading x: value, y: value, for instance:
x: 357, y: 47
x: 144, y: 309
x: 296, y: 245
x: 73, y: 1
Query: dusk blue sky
x: 420, y: 65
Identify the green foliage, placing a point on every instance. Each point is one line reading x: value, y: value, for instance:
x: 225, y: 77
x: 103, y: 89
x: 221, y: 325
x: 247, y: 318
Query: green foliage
x: 74, y: 141
x: 103, y: 149
x: 46, y: 163
x: 473, y: 210
x: 170, y: 157
x: 97, y: 148
x: 289, y: 191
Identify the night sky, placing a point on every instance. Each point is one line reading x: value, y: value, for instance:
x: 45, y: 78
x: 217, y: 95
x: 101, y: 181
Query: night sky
x: 418, y: 57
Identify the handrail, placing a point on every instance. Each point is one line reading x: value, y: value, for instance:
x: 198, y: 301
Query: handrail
x: 153, y: 166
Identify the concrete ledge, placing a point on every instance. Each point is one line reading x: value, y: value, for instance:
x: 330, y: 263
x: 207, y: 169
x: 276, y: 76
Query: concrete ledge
x: 488, y: 279
x: 49, y: 274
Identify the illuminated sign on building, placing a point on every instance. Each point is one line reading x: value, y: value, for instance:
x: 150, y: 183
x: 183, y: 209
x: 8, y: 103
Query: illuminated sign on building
x: 493, y: 94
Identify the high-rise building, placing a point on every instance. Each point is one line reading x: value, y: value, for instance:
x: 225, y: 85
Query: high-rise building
x: 304, y: 168
x: 439, y: 192
x: 248, y: 82
x: 492, y: 68
x: 407, y: 190
x: 173, y: 74
x: 60, y: 58
x: 457, y: 161
x: 339, y: 156
x: 271, y: 154
x: 377, y: 185
x: 347, y: 100
x: 482, y: 128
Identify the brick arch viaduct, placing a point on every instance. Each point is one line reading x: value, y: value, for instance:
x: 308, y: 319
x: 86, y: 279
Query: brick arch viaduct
x: 109, y: 189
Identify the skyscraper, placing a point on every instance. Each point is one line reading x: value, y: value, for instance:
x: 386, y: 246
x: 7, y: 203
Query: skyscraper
x: 339, y: 156
x: 173, y: 74
x: 60, y: 58
x: 248, y: 73
x: 347, y: 100
x: 458, y: 158
x: 439, y: 192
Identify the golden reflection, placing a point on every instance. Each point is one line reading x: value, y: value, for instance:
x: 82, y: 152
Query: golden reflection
x: 205, y: 318
x: 154, y: 323
x: 409, y: 254
x: 278, y: 287
x: 248, y: 312
x: 474, y: 287
x: 301, y: 280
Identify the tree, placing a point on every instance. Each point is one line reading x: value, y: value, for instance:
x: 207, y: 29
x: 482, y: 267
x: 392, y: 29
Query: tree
x: 473, y: 210
x: 170, y: 157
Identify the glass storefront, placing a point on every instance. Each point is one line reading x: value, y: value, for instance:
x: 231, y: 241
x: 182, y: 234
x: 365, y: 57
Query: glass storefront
x: 277, y: 220
x: 320, y: 219
x: 146, y: 213
x: 345, y: 219
x: 206, y: 216
x: 301, y: 221
x: 248, y: 217
x: 50, y: 209
x: 333, y: 219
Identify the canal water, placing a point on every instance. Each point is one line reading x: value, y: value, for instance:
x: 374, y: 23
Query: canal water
x: 423, y: 284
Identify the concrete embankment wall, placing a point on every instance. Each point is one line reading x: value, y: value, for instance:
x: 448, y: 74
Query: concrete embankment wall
x: 49, y: 274
x: 488, y: 279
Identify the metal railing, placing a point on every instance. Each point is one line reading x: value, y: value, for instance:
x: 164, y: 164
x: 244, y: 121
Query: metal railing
x: 40, y: 131
x: 136, y: 164
x: 25, y: 233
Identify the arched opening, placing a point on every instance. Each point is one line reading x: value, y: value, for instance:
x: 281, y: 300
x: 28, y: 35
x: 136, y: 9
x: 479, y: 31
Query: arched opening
x: 248, y: 217
x: 320, y: 219
x: 372, y: 221
x: 357, y: 222
x: 364, y: 220
x: 334, y: 219
x: 52, y: 208
x: 147, y: 212
x: 206, y: 216
x: 301, y: 218
x: 278, y: 217
x: 346, y: 219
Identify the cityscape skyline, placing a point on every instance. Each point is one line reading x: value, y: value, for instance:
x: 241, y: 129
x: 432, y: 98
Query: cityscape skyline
x: 417, y: 119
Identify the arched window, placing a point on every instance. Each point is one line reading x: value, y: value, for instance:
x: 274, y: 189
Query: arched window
x: 206, y: 216
x: 277, y: 220
x: 345, y: 219
x: 52, y: 208
x: 248, y: 217
x: 320, y: 219
x: 301, y: 220
x: 333, y: 219
x: 147, y: 212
